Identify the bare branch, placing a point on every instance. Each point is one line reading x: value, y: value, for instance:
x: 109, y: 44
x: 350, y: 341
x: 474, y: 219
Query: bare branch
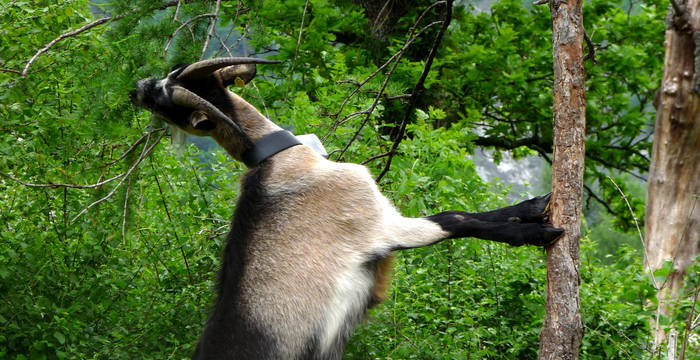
x: 400, y: 96
x: 133, y: 145
x: 177, y: 10
x: 126, y: 206
x: 51, y: 185
x: 396, y: 57
x: 186, y: 23
x: 369, y: 111
x: 591, y: 48
x: 418, y: 88
x: 170, y: 219
x: 212, y: 28
x: 296, y: 52
x: 78, y: 31
x: 91, y: 186
x: 11, y: 71
x: 222, y: 45
x: 641, y: 237
x: 375, y: 157
x: 67, y: 35
x: 212, y: 219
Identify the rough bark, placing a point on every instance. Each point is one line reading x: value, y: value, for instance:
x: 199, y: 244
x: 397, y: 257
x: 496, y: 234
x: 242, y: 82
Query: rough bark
x: 673, y: 208
x: 562, y: 330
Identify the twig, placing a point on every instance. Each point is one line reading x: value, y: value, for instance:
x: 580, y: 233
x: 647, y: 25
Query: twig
x: 397, y: 97
x: 375, y: 157
x: 689, y: 324
x: 143, y: 155
x: 357, y: 89
x: 622, y: 333
x: 67, y: 35
x: 186, y: 23
x: 212, y: 219
x: 177, y: 10
x: 222, y: 46
x: 641, y: 237
x: 369, y: 111
x: 418, y: 89
x: 11, y: 71
x: 170, y: 219
x: 394, y: 60
x: 133, y: 146
x: 50, y: 185
x: 233, y: 27
x: 91, y: 186
x: 262, y: 100
x: 296, y: 52
x: 380, y: 19
x: 591, y: 48
x: 411, y: 38
x: 78, y: 31
x: 217, y: 232
x: 126, y: 206
x: 591, y: 194
x: 212, y: 28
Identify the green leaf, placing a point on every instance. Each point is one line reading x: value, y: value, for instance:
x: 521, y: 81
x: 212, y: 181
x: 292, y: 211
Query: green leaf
x: 60, y: 337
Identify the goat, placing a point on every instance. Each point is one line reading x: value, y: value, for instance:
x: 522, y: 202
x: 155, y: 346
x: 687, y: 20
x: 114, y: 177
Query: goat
x: 310, y: 245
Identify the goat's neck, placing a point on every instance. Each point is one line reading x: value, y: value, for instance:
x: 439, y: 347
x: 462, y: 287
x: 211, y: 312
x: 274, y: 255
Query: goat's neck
x: 250, y: 120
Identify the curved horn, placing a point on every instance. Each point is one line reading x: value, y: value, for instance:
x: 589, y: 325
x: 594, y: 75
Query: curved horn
x: 183, y: 97
x: 236, y: 74
x: 203, y: 68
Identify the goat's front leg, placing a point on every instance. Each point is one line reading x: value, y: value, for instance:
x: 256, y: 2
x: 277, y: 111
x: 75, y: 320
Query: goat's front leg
x: 520, y: 224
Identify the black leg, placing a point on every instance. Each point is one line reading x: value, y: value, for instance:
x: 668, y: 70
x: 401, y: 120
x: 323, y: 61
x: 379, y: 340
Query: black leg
x: 520, y: 224
x: 461, y: 224
x: 535, y: 210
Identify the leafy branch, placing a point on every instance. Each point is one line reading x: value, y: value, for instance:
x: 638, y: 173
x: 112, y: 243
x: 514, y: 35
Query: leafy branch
x: 144, y: 153
x: 97, y: 184
x: 81, y: 30
x: 394, y: 61
x: 419, y: 88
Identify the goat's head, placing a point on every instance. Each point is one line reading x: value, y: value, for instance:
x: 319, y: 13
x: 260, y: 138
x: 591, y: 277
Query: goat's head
x: 194, y: 98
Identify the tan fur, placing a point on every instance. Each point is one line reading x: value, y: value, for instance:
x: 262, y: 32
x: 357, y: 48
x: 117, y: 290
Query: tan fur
x: 382, y: 279
x: 321, y: 240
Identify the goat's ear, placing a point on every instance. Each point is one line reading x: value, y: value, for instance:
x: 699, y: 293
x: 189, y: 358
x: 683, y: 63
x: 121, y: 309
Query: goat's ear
x: 200, y: 121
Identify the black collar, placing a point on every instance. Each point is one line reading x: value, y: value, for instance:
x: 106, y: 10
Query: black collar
x: 269, y: 145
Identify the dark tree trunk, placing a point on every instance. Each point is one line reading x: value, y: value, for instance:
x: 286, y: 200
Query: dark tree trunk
x: 672, y: 208
x: 562, y: 330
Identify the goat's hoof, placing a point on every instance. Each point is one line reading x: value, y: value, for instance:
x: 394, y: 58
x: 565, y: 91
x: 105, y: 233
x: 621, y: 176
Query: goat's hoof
x: 537, y: 234
x: 550, y: 236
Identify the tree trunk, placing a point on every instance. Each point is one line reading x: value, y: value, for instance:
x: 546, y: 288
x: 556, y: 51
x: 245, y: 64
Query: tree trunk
x: 562, y: 330
x: 672, y: 208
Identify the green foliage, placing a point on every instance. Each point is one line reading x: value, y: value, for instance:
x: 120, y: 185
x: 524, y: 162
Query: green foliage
x: 132, y: 277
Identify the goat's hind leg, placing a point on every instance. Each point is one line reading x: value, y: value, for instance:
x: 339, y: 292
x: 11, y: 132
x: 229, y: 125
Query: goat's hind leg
x: 535, y: 210
x: 459, y: 224
x: 520, y: 224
